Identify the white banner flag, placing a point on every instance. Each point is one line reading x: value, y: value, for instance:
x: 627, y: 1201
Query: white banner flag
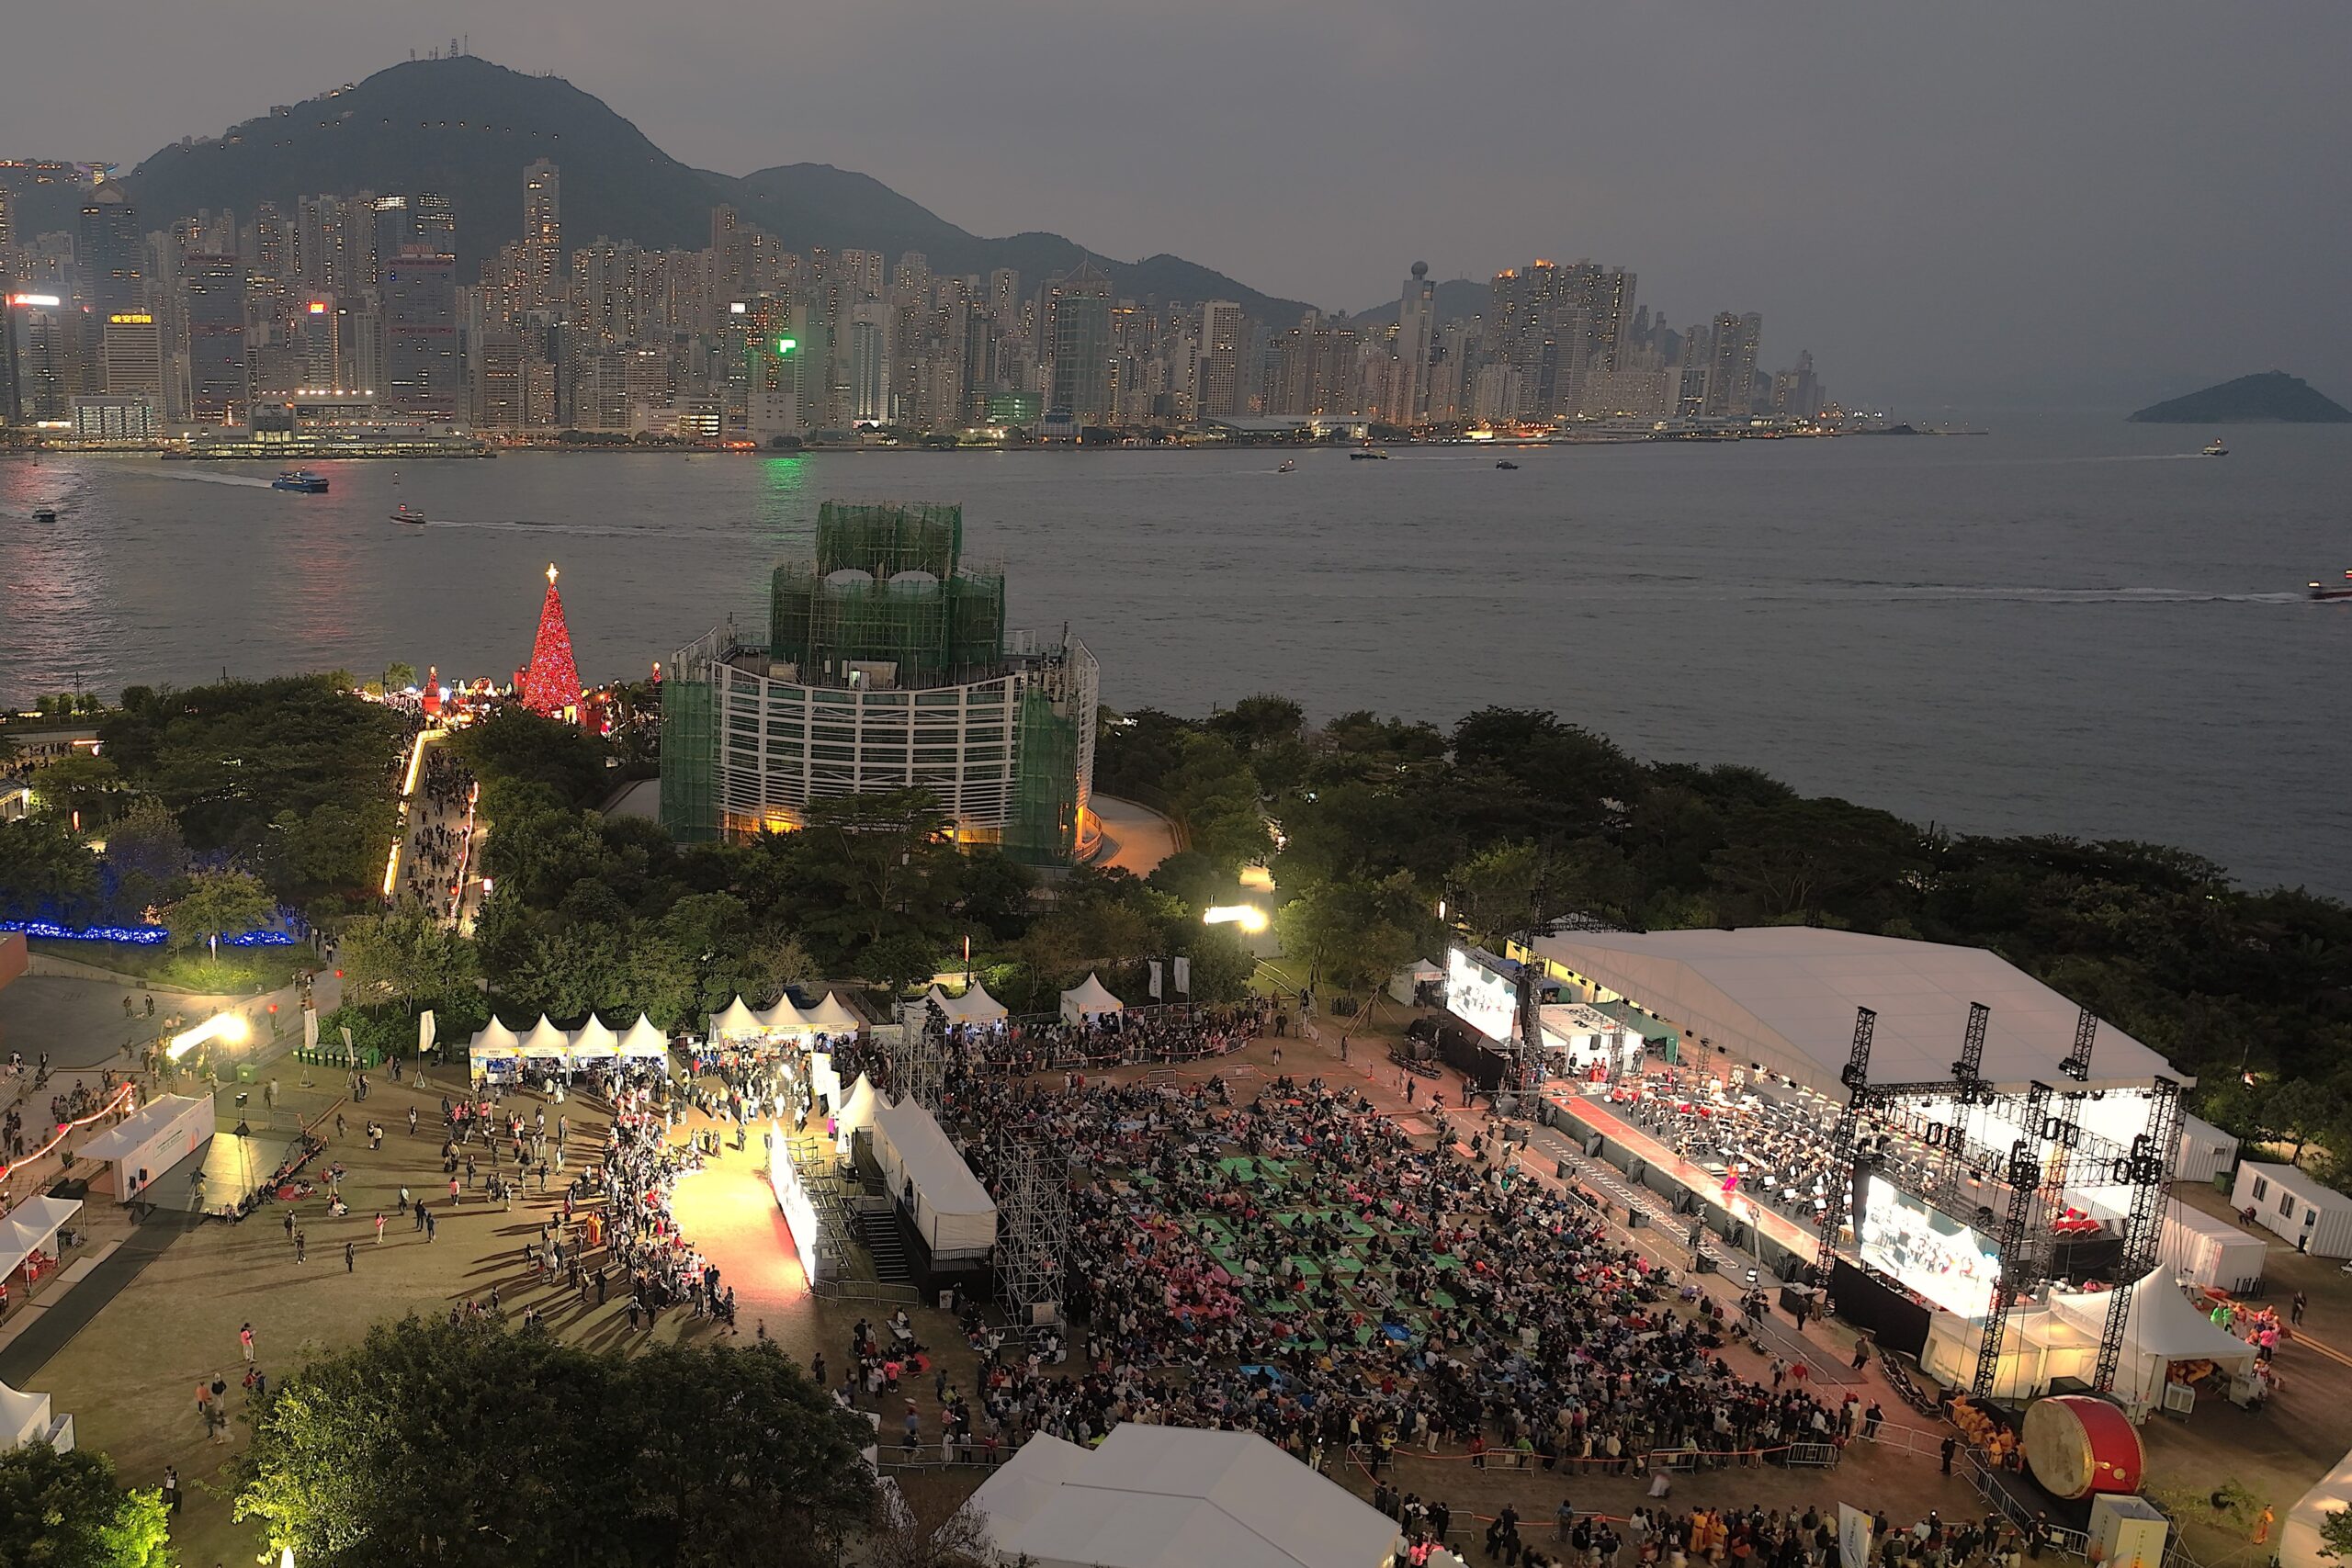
x: 1184, y: 977
x: 427, y: 1031
x: 1155, y: 980
x: 1854, y: 1532
x: 311, y: 1029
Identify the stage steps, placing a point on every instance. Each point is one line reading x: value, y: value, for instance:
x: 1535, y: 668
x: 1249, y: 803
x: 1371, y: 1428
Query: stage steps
x: 879, y: 1230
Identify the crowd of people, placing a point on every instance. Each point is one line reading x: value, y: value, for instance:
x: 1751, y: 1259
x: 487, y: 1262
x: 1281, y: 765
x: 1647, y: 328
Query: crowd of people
x: 1177, y: 1033
x: 1781, y: 1149
x: 438, y: 841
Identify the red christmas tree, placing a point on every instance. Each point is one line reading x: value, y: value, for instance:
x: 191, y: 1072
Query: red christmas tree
x: 552, y: 683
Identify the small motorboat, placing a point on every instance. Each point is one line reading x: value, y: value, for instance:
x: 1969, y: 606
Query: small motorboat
x: 1367, y: 455
x: 2340, y: 590
x: 1290, y: 466
x: 407, y: 513
x: 44, y: 514
x: 302, y: 480
x: 2214, y: 448
x: 1506, y: 463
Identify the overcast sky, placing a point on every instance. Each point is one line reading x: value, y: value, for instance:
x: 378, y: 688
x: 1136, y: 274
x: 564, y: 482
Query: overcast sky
x: 1980, y: 204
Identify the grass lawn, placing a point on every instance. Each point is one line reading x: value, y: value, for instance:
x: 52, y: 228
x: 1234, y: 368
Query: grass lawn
x: 238, y: 969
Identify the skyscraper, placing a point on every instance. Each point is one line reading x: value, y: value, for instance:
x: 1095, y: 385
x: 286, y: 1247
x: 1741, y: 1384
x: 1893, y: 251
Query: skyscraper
x: 1222, y: 387
x: 1080, y: 303
x: 213, y: 290
x: 1416, y: 335
x: 421, y: 360
x: 869, y: 361
x: 273, y: 244
x: 113, y: 253
x: 544, y: 273
x: 133, y: 357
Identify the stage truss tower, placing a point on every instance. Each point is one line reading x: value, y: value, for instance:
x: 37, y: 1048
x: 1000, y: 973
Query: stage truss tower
x: 1032, y: 1232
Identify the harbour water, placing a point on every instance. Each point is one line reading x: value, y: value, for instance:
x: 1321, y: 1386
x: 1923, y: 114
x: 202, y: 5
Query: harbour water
x: 2071, y: 626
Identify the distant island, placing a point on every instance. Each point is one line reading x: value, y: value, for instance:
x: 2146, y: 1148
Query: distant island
x: 2272, y: 397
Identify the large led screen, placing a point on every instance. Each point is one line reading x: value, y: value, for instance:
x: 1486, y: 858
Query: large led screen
x: 1932, y: 1253
x: 1487, y: 1001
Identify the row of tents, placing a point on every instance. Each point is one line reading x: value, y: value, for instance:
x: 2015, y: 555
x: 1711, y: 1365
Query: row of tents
x: 595, y: 1041
x: 784, y: 1020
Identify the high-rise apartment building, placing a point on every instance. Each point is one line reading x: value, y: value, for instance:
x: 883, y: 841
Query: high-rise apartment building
x: 113, y: 253
x: 212, y: 291
x: 1731, y: 366
x: 1080, y: 303
x: 133, y: 357
x: 544, y: 272
x: 1415, y: 339
x: 869, y: 363
x: 424, y: 377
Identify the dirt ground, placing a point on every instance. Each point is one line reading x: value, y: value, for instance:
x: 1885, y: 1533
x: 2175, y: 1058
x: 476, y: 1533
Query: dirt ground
x: 130, y: 1377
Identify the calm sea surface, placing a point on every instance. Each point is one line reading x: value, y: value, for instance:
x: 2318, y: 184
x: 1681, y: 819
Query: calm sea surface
x: 2069, y: 626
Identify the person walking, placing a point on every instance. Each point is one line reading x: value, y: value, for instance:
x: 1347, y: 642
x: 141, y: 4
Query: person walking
x: 171, y: 1488
x: 301, y: 1246
x: 2295, y: 1310
x: 349, y: 1266
x: 245, y: 1342
x: 1951, y: 1447
x: 379, y: 1227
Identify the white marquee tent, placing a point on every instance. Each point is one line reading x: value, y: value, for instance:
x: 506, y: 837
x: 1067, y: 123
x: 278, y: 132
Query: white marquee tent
x: 2160, y: 1328
x: 24, y: 1418
x: 975, y: 1006
x: 2299, y: 1545
x: 783, y: 1018
x: 547, y: 1040
x: 497, y: 1035
x: 738, y: 1022
x: 1175, y: 1498
x: 953, y: 1213
x: 1090, y: 999
x: 857, y: 1112
x: 643, y: 1039
x: 595, y: 1041
x: 830, y: 1017
x: 32, y: 1227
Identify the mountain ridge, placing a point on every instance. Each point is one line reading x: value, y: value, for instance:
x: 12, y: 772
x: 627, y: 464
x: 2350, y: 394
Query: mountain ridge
x: 465, y: 128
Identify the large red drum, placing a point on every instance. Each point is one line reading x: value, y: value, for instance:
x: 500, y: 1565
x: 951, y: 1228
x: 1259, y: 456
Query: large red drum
x: 2077, y: 1445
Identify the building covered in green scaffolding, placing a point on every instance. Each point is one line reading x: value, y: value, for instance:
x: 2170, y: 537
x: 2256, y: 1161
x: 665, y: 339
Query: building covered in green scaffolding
x: 887, y: 665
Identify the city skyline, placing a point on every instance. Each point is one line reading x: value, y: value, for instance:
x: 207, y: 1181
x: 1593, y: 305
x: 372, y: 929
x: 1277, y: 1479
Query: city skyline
x: 1979, y: 210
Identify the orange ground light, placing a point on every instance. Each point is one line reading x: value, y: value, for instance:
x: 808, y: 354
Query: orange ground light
x: 728, y: 1210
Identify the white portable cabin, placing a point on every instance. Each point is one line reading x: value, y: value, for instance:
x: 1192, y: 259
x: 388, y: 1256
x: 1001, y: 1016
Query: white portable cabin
x: 2205, y: 1151
x: 152, y: 1140
x: 2203, y: 1250
x: 2293, y: 1204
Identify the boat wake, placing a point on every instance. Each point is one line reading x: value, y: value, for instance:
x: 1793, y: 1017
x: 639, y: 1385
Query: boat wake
x: 202, y: 477
x: 525, y: 526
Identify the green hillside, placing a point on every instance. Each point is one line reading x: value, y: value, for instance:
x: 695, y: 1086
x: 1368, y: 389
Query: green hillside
x: 2271, y: 398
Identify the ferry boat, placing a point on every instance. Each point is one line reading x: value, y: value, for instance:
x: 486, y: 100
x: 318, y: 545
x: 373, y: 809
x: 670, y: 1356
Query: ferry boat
x: 2340, y: 590
x: 2214, y: 448
x: 301, y: 479
x: 44, y: 514
x: 406, y: 513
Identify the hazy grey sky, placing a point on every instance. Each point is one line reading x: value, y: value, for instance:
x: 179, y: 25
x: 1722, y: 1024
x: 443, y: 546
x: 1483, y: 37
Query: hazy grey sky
x: 2012, y: 203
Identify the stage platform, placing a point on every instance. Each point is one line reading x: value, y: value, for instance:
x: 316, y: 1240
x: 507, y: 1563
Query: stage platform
x: 230, y: 1166
x: 1666, y: 1172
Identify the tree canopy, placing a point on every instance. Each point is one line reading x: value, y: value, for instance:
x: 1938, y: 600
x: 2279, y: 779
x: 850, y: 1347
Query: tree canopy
x: 63, y: 1510
x: 533, y: 1452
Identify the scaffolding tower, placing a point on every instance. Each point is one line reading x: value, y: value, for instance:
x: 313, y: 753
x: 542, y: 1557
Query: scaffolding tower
x: 918, y: 1064
x: 1032, y: 1234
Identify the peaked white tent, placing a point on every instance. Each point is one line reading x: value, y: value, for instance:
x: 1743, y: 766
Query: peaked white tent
x: 645, y: 1041
x: 2299, y: 1545
x: 783, y: 1019
x: 595, y: 1041
x: 24, y: 1418
x: 1090, y: 999
x: 547, y: 1040
x: 496, y: 1035
x: 953, y: 1213
x: 32, y: 1227
x: 857, y: 1111
x: 738, y: 1022
x: 2160, y: 1327
x: 1164, y: 1496
x: 975, y: 1006
x: 830, y: 1017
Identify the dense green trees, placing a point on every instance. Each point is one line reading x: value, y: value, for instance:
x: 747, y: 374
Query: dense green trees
x: 63, y: 1510
x: 219, y: 904
x: 467, y: 1444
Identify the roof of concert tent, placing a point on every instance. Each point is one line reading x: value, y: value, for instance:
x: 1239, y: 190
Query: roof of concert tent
x: 1785, y: 996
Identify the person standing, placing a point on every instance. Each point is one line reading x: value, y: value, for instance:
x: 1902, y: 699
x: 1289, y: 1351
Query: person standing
x: 245, y: 1342
x: 350, y: 1267
x: 1951, y: 1447
x: 2295, y: 1310
x: 301, y: 1246
x: 171, y: 1488
x: 379, y: 1227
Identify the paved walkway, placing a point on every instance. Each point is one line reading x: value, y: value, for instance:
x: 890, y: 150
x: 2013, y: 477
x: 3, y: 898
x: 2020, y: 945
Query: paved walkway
x: 47, y: 1328
x: 1135, y: 838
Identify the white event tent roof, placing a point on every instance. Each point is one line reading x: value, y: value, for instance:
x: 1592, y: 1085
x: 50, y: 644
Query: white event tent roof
x: 783, y: 1018
x: 24, y: 1418
x: 130, y: 1134
x: 644, y: 1040
x: 497, y: 1036
x: 1175, y: 1498
x: 975, y: 1006
x: 953, y: 1213
x: 1088, y: 997
x: 546, y: 1039
x: 738, y: 1022
x: 595, y: 1039
x: 1785, y: 996
x: 2159, y: 1328
x: 31, y: 1226
x: 830, y: 1017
